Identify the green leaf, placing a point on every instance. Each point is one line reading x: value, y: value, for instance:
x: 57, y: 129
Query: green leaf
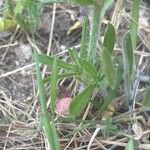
x: 112, y: 92
x: 73, y: 54
x: 7, y: 24
x: 84, y: 2
x: 128, y: 54
x: 60, y: 76
x: 84, y: 39
x: 49, y: 129
x: 109, y: 38
x: 109, y: 128
x: 19, y: 8
x: 134, y: 22
x: 55, y: 145
x: 106, y: 5
x: 24, y: 24
x: 146, y: 101
x: 130, y: 145
x: 88, y: 67
x: 53, y: 86
x: 106, y: 55
x: 128, y: 67
x: 107, y: 65
x: 81, y: 100
x: 48, y: 60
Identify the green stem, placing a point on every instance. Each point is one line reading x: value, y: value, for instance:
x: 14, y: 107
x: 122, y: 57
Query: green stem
x: 94, y: 33
x: 98, y: 13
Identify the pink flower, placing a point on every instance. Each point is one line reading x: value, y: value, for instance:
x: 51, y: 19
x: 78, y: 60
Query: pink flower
x: 62, y: 106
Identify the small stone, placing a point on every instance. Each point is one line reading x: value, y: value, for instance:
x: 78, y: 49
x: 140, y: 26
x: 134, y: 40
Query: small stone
x: 23, y: 52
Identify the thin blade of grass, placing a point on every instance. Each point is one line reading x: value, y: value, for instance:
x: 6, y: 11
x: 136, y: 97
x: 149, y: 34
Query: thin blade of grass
x: 134, y: 22
x: 53, y: 87
x: 53, y: 94
x: 130, y: 145
x: 49, y: 129
x: 60, y: 76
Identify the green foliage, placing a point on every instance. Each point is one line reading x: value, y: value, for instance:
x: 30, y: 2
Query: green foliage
x: 84, y: 39
x: 130, y: 145
x: 48, y: 60
x: 88, y: 67
x: 109, y: 38
x: 146, y: 101
x: 112, y: 92
x: 98, y: 13
x: 81, y: 100
x: 84, y: 65
x: 128, y: 54
x: 134, y: 22
x: 25, y: 12
x: 55, y: 145
x: 128, y: 65
x: 74, y: 55
x: 49, y: 128
x: 109, y: 128
x: 53, y: 86
x: 106, y: 54
x: 19, y: 8
x: 60, y: 76
x: 85, y: 2
x: 92, y: 51
x: 7, y: 24
x: 107, y: 65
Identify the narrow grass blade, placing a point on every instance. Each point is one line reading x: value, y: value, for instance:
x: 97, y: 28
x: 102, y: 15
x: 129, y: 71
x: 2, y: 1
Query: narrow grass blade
x: 53, y: 87
x: 49, y: 60
x: 81, y: 100
x: 53, y: 94
x: 60, y: 76
x: 130, y: 145
x: 50, y: 130
x: 134, y: 21
x: 55, y: 145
